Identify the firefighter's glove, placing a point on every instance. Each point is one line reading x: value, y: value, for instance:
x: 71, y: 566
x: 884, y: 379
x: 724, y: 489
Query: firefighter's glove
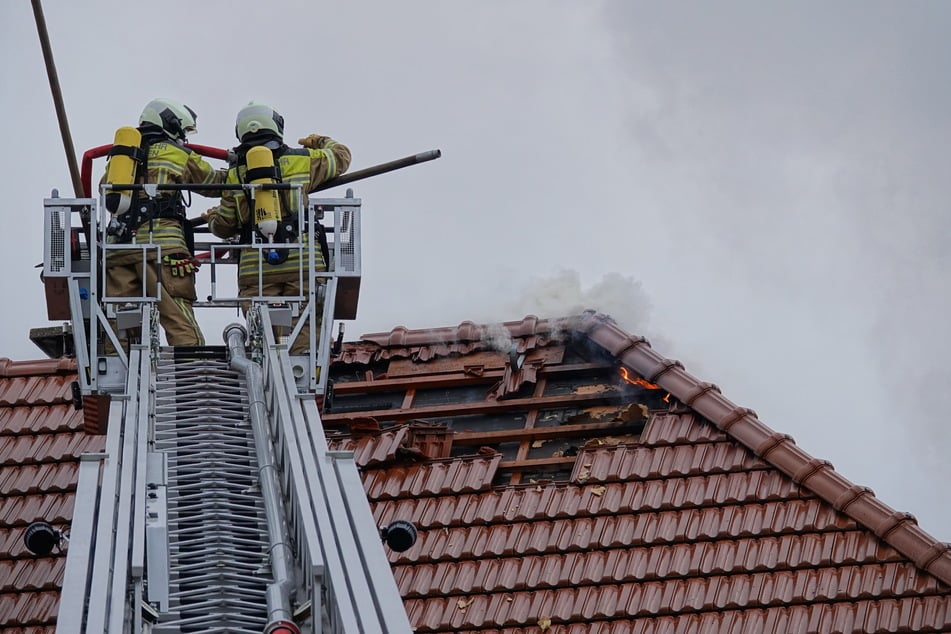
x: 314, y: 141
x: 181, y: 266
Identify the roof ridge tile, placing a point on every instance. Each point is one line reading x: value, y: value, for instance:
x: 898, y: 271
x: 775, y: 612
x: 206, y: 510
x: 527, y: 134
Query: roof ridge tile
x: 62, y: 365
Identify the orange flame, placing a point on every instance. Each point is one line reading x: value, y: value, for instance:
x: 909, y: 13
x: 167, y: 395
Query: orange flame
x: 633, y: 380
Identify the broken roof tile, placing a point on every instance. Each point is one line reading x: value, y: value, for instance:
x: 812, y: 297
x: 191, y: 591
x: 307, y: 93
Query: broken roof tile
x: 412, y: 442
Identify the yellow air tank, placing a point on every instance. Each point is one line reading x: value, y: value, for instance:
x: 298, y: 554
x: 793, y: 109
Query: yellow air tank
x: 120, y: 170
x: 267, y: 208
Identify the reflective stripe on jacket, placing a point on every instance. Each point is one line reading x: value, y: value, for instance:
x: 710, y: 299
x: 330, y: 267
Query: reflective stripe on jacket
x: 301, y: 166
x: 170, y: 163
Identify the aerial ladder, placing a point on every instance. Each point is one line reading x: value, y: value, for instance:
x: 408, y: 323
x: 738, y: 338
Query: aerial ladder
x: 216, y: 505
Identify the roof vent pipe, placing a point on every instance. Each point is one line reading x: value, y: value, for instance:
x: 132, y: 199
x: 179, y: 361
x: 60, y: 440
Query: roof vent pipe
x: 278, y: 591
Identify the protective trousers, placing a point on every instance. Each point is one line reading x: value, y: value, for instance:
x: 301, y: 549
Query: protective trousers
x: 176, y: 311
x: 301, y: 344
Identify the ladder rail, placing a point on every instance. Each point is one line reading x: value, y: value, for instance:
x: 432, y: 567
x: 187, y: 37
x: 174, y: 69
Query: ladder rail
x: 76, y: 577
x: 306, y: 491
x: 331, y: 484
x: 109, y: 587
x: 131, y: 492
x: 387, y: 601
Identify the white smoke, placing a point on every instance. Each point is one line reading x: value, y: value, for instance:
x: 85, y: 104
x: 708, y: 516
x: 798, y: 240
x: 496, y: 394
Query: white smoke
x: 562, y: 295
x: 497, y: 337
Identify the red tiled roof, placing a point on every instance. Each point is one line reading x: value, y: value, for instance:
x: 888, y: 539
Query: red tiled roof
x: 436, y: 478
x: 779, y: 450
x: 399, y: 443
x: 708, y: 522
x: 575, y: 516
x: 40, y: 444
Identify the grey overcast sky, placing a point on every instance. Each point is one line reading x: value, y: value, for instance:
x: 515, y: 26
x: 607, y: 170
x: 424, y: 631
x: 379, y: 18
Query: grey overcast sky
x: 759, y: 187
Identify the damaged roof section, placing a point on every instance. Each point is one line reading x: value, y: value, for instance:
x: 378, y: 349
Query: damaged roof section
x: 41, y: 441
x: 571, y: 479
x: 536, y: 400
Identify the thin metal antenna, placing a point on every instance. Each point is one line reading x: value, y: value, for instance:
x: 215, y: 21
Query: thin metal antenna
x: 57, y: 99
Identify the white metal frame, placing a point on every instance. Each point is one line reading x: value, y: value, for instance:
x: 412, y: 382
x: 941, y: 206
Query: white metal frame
x: 115, y: 565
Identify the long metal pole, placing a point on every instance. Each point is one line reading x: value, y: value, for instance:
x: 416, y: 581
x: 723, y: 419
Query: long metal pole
x: 382, y: 168
x: 58, y: 99
x: 375, y: 170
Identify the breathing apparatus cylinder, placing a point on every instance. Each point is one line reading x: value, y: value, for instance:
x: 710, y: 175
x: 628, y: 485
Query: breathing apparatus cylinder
x: 120, y: 170
x: 267, y: 207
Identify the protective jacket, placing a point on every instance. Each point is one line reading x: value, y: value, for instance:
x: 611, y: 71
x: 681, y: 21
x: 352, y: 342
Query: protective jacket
x: 167, y: 162
x: 303, y: 166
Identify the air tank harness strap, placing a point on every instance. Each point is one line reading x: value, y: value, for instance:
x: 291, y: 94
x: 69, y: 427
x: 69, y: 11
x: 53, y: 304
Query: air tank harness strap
x: 135, y: 153
x: 145, y: 210
x: 262, y: 172
x: 287, y: 234
x: 286, y: 230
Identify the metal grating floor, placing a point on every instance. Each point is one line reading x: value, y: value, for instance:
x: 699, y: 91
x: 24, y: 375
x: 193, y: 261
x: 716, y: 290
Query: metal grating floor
x: 218, y: 566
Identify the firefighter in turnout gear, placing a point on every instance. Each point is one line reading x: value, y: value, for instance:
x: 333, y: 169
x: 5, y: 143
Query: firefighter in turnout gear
x: 259, y: 126
x: 160, y: 158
